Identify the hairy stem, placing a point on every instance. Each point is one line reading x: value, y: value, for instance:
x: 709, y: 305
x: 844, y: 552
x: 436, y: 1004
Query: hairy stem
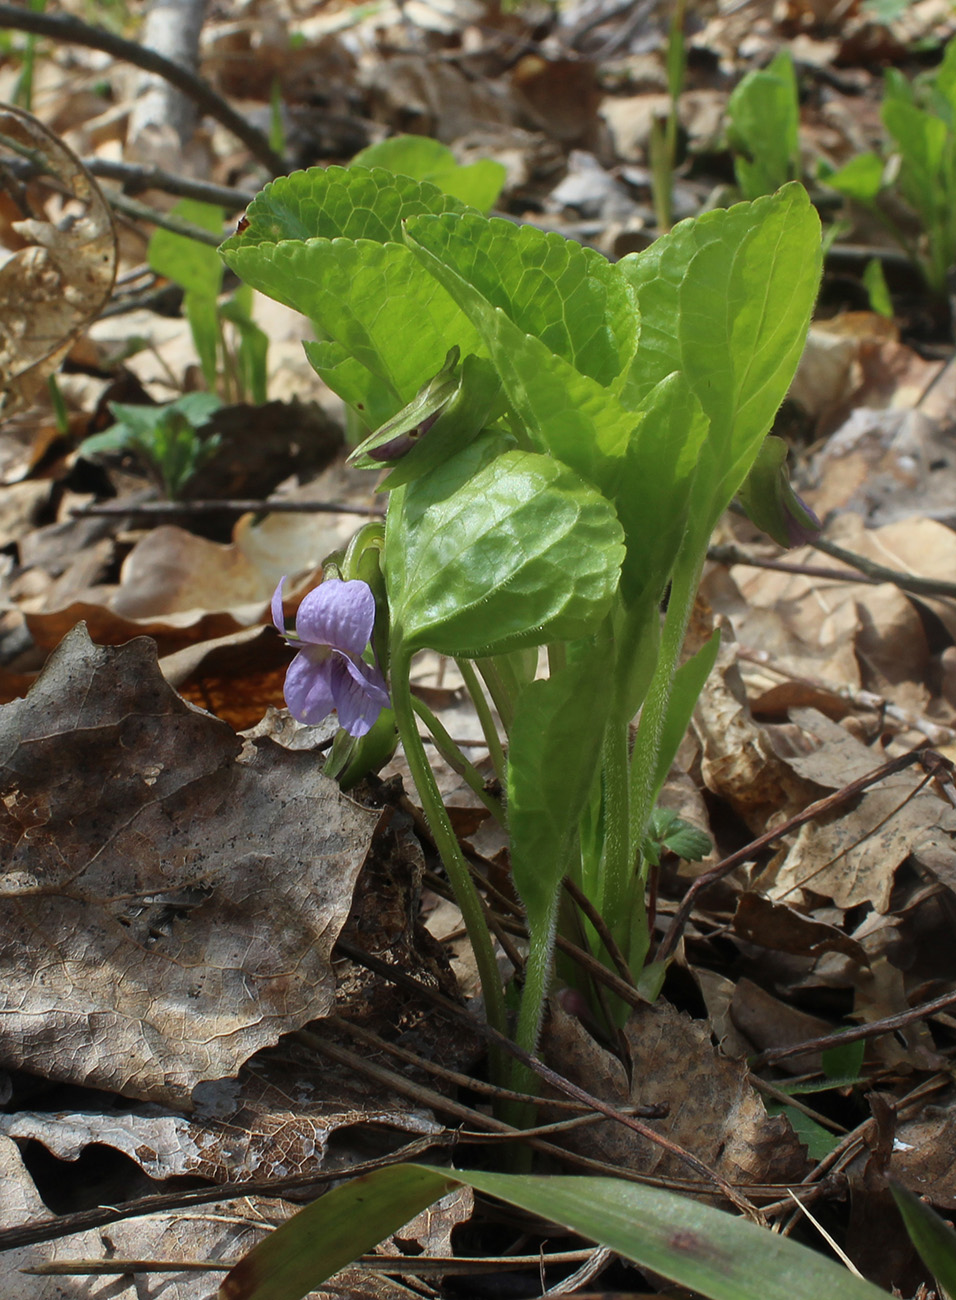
x: 456, y: 760
x: 654, y: 714
x: 466, y: 895
x: 482, y: 708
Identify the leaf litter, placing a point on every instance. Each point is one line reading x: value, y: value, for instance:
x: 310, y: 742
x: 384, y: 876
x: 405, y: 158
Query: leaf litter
x: 174, y: 891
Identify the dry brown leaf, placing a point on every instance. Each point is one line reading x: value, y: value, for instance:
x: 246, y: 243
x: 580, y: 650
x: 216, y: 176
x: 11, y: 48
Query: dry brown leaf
x: 924, y: 1155
x: 784, y: 929
x: 58, y: 281
x: 224, y: 1231
x: 739, y: 760
x: 713, y: 1111
x: 767, y: 1022
x: 852, y: 855
x: 273, y: 1121
x: 171, y: 901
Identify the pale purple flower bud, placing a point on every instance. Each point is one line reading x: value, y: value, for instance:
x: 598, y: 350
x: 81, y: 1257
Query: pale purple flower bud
x: 333, y: 627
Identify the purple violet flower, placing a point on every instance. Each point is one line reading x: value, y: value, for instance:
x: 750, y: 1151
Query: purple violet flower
x: 333, y: 627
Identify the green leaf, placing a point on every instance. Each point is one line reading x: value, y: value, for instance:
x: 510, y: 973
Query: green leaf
x: 818, y: 1140
x: 477, y: 184
x: 373, y: 300
x: 764, y: 117
x: 202, y: 313
x: 253, y: 352
x: 666, y: 830
x: 553, y: 361
x: 453, y: 409
x: 337, y: 202
x: 652, y: 485
x: 727, y: 299
x: 860, y: 179
x: 845, y: 1060
x: 368, y: 395
x: 934, y: 1239
x: 876, y: 287
x: 515, y: 553
x: 719, y: 1255
x: 568, y: 296
x: 554, y: 751
x: 195, y: 266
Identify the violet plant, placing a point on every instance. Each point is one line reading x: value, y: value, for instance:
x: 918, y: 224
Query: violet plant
x: 564, y: 434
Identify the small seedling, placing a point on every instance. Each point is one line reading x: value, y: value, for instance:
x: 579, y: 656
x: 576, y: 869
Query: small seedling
x: 168, y: 439
x: 233, y: 362
x: 920, y: 171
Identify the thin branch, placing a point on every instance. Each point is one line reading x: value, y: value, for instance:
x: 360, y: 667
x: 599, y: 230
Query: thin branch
x: 163, y: 509
x: 910, y: 582
x: 66, y: 28
x: 885, y: 1026
x: 65, y: 1225
x: 135, y: 177
x: 926, y: 757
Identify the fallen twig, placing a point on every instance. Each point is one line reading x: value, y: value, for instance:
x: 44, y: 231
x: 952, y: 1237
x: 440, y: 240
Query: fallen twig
x: 927, y: 758
x: 73, y: 31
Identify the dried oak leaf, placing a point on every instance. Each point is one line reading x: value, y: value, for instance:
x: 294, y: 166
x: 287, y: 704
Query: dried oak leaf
x: 171, y: 898
x: 274, y: 1121
x: 62, y: 271
x: 223, y: 1231
x: 713, y: 1110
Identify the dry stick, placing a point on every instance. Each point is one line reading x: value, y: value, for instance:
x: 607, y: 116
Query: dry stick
x: 927, y: 758
x: 413, y: 1265
x: 65, y: 1225
x: 910, y: 582
x: 601, y: 929
x: 870, y: 1030
x: 135, y: 177
x: 726, y: 553
x: 231, y: 506
x: 557, y: 1081
x: 63, y: 27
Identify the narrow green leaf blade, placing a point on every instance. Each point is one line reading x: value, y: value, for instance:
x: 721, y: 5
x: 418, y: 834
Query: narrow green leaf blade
x: 516, y: 553
x: 934, y: 1239
x: 331, y: 1232
x: 706, y: 1250
x: 709, y: 1251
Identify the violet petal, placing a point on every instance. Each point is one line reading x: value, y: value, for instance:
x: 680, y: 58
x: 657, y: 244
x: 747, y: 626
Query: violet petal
x: 359, y: 694
x: 308, y: 689
x: 338, y: 614
x: 277, y: 615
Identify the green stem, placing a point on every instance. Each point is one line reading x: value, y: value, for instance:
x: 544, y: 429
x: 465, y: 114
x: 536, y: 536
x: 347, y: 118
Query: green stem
x: 499, y: 677
x: 466, y: 895
x: 456, y: 760
x: 537, y: 982
x: 654, y: 714
x: 619, y: 859
x: 482, y: 708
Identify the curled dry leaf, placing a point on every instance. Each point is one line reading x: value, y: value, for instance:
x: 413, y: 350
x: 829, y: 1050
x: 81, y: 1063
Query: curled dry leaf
x: 223, y: 1231
x: 170, y: 898
x: 275, y: 1120
x: 62, y: 271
